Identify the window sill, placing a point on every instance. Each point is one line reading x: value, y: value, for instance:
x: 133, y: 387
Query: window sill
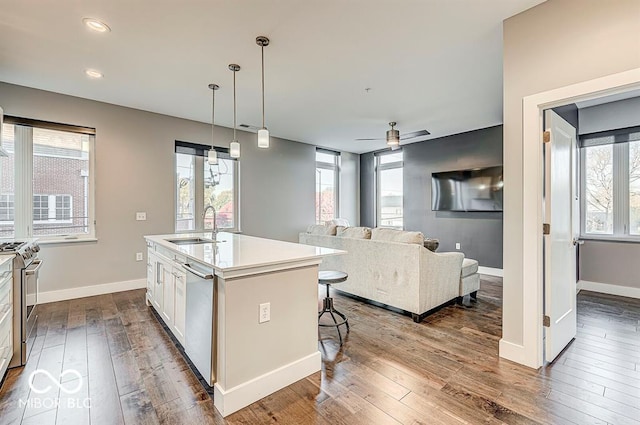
x: 58, y: 241
x: 595, y: 238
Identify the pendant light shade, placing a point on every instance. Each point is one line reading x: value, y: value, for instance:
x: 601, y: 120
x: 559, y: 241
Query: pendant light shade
x: 263, y: 133
x: 234, y: 146
x: 234, y: 149
x: 212, y: 157
x: 263, y: 138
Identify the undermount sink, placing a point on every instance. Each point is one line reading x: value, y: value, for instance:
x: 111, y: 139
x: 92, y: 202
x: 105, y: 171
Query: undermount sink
x: 191, y: 241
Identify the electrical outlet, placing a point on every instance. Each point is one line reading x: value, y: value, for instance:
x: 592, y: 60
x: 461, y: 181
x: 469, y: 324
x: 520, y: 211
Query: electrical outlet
x: 141, y: 216
x: 265, y: 312
x: 457, y: 245
x: 138, y: 256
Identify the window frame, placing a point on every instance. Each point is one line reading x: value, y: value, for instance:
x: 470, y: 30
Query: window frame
x: 382, y: 167
x: 335, y: 168
x: 200, y: 153
x: 621, y: 195
x: 23, y: 174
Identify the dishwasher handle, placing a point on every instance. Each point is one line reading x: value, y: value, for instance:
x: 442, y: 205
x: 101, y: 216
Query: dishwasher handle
x: 188, y: 268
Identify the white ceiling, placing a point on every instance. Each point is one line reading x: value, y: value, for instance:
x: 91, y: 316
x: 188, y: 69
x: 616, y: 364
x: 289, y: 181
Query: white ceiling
x: 430, y: 64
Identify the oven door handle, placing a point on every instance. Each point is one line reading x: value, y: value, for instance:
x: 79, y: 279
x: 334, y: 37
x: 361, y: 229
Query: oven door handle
x: 34, y: 270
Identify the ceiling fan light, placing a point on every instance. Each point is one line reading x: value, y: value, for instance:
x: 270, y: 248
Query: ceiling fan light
x: 393, y: 141
x: 212, y: 157
x: 234, y: 149
x: 263, y: 138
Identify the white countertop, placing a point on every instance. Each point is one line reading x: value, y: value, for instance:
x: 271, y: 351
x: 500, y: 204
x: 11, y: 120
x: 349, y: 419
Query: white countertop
x: 6, y: 258
x: 235, y: 253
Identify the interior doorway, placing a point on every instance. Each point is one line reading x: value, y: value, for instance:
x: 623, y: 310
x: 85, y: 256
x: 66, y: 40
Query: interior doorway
x: 531, y: 352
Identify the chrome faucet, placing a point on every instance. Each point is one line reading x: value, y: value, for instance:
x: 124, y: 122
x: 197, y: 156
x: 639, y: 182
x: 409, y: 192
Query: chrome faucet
x: 214, y: 231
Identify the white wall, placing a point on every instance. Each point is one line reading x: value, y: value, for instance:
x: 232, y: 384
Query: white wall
x: 350, y: 187
x: 135, y: 171
x: 557, y: 43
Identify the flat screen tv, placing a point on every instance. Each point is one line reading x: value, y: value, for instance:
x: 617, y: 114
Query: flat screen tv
x: 477, y: 189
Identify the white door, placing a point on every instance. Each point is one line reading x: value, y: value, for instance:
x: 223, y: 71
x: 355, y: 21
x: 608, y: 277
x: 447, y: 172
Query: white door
x: 560, y: 212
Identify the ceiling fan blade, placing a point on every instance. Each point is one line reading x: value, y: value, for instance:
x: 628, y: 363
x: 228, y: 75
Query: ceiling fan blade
x: 395, y: 147
x: 414, y: 134
x: 366, y: 140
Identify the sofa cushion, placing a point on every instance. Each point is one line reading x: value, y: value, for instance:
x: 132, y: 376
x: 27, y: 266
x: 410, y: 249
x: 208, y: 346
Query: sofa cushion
x: 321, y: 229
x: 394, y: 235
x: 354, y: 232
x: 469, y: 267
x: 338, y: 222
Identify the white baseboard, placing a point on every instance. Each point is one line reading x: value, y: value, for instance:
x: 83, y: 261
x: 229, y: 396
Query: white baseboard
x: 607, y: 288
x: 234, y: 399
x: 491, y: 271
x: 88, y: 291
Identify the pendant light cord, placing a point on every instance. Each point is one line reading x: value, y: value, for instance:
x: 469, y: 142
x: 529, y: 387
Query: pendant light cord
x: 234, y: 106
x: 213, y: 115
x: 262, y: 49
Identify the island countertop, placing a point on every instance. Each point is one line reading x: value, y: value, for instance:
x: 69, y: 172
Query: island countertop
x: 238, y: 255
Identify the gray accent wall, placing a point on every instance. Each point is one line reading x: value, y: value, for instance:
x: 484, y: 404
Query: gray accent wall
x: 479, y: 233
x: 610, y: 116
x: 367, y: 190
x: 135, y: 171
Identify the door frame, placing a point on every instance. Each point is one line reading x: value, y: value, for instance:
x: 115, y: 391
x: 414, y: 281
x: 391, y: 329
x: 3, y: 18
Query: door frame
x: 532, y: 200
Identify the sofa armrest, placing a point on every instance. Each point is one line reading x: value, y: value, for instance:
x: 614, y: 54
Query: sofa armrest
x: 439, y: 277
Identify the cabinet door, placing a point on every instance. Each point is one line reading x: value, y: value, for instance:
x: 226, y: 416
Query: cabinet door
x: 151, y: 275
x: 168, y: 291
x: 180, y: 303
x: 158, y: 272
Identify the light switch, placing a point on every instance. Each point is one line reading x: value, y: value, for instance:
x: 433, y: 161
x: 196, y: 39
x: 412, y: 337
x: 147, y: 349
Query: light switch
x: 141, y: 216
x: 265, y: 312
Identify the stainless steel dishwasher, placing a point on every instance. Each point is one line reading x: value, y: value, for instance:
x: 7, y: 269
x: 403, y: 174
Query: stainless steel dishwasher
x: 201, y: 320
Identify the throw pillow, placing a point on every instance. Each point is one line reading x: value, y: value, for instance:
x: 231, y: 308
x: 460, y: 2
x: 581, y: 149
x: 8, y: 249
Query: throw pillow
x: 354, y: 232
x: 394, y: 235
x: 321, y: 229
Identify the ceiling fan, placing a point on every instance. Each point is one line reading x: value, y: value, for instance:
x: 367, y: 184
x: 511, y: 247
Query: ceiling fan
x: 393, y: 136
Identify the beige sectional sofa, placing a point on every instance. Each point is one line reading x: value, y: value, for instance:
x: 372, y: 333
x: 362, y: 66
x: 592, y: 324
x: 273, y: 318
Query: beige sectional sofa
x: 391, y: 267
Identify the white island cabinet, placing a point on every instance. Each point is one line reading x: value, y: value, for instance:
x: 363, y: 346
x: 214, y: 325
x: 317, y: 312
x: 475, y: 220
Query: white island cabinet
x: 244, y: 309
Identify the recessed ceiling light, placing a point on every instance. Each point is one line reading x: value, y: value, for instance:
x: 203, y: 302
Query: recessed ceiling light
x: 92, y: 73
x: 96, y: 25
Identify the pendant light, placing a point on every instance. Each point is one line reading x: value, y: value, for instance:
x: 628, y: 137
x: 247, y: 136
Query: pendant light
x: 213, y: 155
x: 263, y: 133
x: 234, y: 146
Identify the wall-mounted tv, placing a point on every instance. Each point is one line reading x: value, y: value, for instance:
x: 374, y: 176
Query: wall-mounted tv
x: 477, y: 189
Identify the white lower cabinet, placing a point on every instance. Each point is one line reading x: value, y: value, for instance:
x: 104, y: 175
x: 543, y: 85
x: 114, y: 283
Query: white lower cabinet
x: 151, y: 282
x: 166, y: 291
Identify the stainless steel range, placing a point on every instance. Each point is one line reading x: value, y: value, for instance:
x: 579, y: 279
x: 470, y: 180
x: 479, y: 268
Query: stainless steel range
x: 26, y: 266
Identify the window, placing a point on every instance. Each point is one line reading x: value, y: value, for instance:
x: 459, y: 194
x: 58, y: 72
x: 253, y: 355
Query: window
x: 389, y: 190
x: 611, y: 184
x: 6, y: 208
x: 327, y: 174
x: 40, y: 208
x: 46, y: 187
x: 199, y: 185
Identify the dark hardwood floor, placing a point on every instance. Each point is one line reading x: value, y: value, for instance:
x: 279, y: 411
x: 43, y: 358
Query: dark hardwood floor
x: 390, y: 370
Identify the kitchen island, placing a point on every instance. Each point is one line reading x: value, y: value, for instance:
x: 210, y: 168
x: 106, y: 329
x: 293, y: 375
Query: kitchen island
x: 244, y: 309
